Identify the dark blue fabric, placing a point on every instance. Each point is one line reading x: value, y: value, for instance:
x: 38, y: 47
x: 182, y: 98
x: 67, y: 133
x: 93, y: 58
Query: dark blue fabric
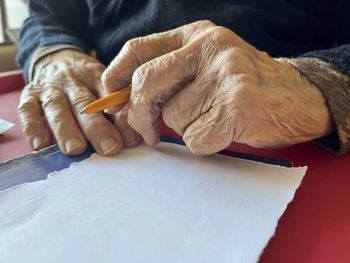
x: 287, y: 28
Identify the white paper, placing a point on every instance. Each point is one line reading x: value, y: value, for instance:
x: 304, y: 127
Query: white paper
x: 145, y: 205
x: 5, y: 125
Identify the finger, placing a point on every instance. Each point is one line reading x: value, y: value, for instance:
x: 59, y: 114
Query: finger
x: 211, y: 132
x: 130, y: 137
x: 134, y: 53
x: 61, y: 120
x: 154, y: 83
x: 99, y: 131
x: 34, y: 128
x: 137, y: 51
x: 188, y: 104
x: 214, y: 85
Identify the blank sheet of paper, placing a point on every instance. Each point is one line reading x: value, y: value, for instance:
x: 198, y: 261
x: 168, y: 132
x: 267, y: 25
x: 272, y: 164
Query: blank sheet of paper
x: 145, y: 205
x: 5, y: 125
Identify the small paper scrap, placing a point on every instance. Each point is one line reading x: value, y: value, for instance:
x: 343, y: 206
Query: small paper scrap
x: 5, y: 125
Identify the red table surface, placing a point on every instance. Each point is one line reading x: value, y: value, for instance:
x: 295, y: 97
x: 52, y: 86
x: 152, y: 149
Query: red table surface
x: 316, y: 224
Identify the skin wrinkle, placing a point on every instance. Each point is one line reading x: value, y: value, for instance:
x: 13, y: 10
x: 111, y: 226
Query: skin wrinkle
x: 143, y: 77
x: 195, y: 137
x: 61, y: 86
x: 289, y: 129
x: 180, y: 105
x: 213, y: 87
x: 28, y: 125
x: 92, y: 81
x: 79, y: 101
x: 139, y: 78
x: 130, y: 138
x: 130, y: 46
x: 255, y: 69
x: 52, y: 98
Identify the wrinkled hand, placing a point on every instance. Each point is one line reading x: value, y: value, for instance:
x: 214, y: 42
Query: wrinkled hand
x: 214, y: 88
x: 64, y: 82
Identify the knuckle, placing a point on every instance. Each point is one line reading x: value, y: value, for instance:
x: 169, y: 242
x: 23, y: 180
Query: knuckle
x: 25, y: 105
x: 30, y: 91
x: 81, y: 99
x: 139, y: 74
x: 54, y: 99
x: 204, y: 144
x: 219, y: 35
x: 30, y: 126
x: 195, y: 28
x: 207, y: 22
x: 204, y: 23
x: 221, y: 30
x: 110, y: 75
x: 142, y: 77
x: 194, y: 146
x: 132, y: 45
x: 27, y: 90
x: 94, y: 68
x: 236, y: 61
x: 106, y: 75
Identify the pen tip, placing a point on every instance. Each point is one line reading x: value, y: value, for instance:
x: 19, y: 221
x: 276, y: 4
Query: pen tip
x: 82, y: 112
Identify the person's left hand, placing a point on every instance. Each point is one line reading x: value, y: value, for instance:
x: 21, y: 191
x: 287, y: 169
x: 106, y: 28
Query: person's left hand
x: 214, y: 88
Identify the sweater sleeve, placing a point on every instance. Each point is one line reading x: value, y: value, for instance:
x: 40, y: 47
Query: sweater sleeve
x: 53, y: 22
x: 329, y: 70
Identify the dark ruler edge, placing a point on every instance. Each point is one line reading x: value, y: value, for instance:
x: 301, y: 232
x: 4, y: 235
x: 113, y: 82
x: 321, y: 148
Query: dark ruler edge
x: 51, y: 150
x: 165, y: 138
x: 251, y: 157
x: 37, y: 165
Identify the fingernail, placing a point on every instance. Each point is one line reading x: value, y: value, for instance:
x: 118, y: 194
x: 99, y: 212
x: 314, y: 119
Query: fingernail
x: 108, y: 145
x: 37, y: 142
x: 72, y: 144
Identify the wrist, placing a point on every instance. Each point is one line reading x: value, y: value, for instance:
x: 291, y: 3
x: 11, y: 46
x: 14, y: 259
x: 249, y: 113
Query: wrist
x: 334, y: 87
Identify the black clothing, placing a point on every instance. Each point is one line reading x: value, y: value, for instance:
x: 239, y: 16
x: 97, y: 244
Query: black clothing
x: 285, y: 28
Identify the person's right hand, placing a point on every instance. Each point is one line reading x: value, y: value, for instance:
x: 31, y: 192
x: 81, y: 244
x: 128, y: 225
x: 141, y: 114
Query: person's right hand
x: 214, y: 88
x: 64, y: 83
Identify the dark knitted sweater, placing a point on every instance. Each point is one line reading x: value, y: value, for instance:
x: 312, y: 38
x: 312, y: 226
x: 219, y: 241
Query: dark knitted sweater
x: 284, y: 28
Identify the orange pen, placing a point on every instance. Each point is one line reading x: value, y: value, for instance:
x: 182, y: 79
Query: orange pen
x: 108, y: 101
